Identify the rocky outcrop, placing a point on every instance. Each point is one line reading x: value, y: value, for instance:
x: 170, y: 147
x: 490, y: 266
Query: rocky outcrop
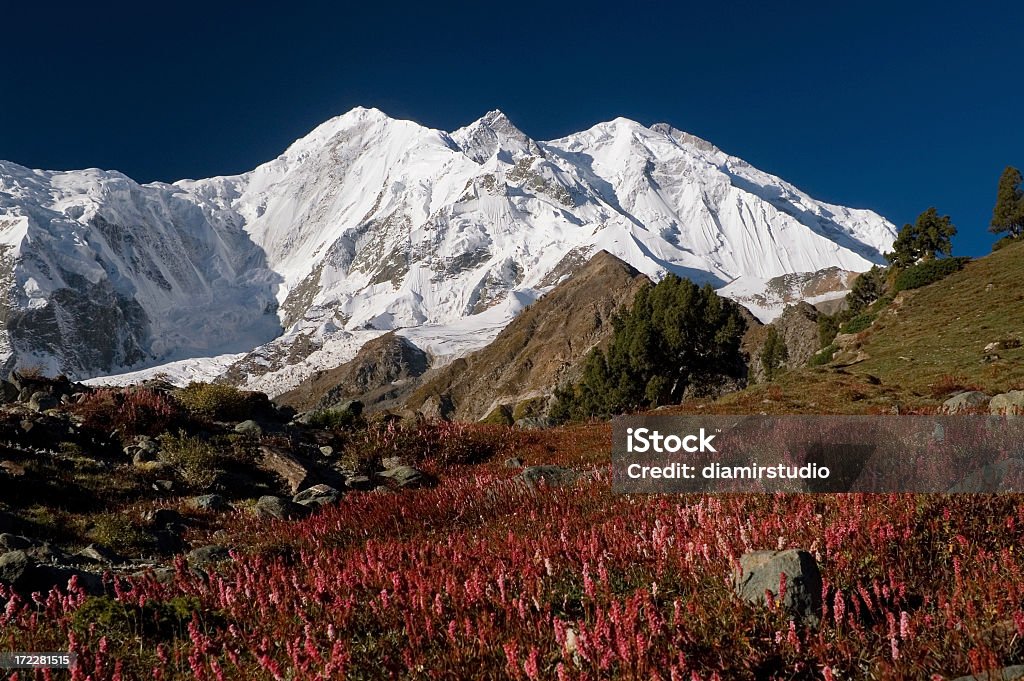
x: 798, y: 326
x: 378, y: 371
x: 541, y: 349
x: 763, y: 572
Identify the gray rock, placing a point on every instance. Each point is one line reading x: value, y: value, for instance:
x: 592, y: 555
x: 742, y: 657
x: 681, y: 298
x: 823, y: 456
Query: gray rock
x: 533, y: 423
x: 281, y: 509
x: 550, y: 476
x: 204, y: 555
x: 327, y: 450
x: 317, y: 496
x: 969, y: 401
x: 13, y: 542
x: 1013, y: 673
x: 214, y: 503
x: 760, y: 572
x: 359, y: 482
x: 407, y: 477
x: 162, y: 517
x: 45, y: 552
x: 41, y: 401
x: 514, y: 462
x: 166, y: 486
x: 24, y: 574
x: 1009, y: 403
x: 98, y: 554
x: 250, y: 428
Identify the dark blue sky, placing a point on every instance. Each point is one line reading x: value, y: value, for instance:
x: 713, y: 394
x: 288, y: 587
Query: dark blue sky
x: 884, y: 105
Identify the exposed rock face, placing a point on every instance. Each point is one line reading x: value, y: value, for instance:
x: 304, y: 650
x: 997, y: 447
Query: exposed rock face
x: 798, y: 326
x: 542, y: 348
x: 379, y: 369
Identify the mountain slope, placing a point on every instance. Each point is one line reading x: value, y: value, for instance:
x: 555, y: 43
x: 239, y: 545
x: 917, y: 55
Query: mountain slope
x: 370, y: 224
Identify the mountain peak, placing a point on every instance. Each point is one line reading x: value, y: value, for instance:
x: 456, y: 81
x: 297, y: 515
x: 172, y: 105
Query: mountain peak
x: 494, y: 134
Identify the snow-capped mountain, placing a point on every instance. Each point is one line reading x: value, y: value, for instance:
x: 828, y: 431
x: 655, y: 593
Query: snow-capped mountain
x: 369, y: 224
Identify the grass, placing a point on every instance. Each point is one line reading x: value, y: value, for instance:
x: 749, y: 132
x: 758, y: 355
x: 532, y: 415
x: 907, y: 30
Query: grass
x: 926, y: 345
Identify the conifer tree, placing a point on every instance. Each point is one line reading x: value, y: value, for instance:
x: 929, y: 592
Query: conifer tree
x: 676, y: 339
x: 1008, y: 213
x: 927, y: 238
x: 774, y: 354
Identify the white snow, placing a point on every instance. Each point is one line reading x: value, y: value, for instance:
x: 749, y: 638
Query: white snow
x: 370, y: 224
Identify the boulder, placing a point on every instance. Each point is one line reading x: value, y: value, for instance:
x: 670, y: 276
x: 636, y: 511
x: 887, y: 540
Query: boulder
x: 1009, y: 403
x: 278, y: 508
x: 514, y: 462
x: 359, y: 482
x: 295, y: 473
x: 969, y: 401
x: 761, y: 572
x: 13, y: 542
x: 204, y: 555
x: 534, y: 477
x: 249, y: 428
x: 41, y: 401
x: 317, y: 496
x: 98, y: 554
x: 24, y: 574
x: 214, y: 503
x: 407, y: 477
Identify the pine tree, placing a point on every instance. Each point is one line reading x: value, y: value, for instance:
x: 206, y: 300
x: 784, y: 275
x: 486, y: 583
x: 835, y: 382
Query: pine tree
x: 1008, y: 213
x: 927, y: 238
x: 676, y: 339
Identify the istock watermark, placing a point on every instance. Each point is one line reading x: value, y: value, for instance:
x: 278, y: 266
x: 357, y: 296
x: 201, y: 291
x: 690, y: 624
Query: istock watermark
x: 946, y: 454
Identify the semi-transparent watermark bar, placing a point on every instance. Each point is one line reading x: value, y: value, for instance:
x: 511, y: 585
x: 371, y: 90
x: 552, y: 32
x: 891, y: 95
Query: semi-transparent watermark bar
x: 944, y: 454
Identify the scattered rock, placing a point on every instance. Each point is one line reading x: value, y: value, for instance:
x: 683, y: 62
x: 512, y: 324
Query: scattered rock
x: 1007, y: 403
x: 317, y: 496
x: 161, y: 517
x: 327, y: 450
x: 281, y: 509
x: 165, y: 486
x: 407, y: 477
x: 551, y: 476
x: 209, y: 502
x: 514, y: 462
x: 968, y: 401
x: 204, y: 555
x: 98, y: 554
x: 249, y: 428
x: 761, y: 571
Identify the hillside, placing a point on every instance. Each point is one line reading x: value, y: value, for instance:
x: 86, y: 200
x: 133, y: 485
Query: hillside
x: 926, y: 345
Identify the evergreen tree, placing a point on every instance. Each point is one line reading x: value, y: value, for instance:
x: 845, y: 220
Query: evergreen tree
x: 676, y: 339
x: 866, y: 289
x: 1008, y: 213
x: 774, y: 354
x: 927, y: 238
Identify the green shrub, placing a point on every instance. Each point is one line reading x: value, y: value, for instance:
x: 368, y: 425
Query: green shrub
x: 196, y: 460
x: 529, y: 408
x: 118, y: 532
x: 337, y: 418
x: 858, y: 323
x: 828, y: 327
x: 214, y: 401
x: 928, y: 272
x: 127, y: 621
x: 823, y: 356
x: 499, y: 416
